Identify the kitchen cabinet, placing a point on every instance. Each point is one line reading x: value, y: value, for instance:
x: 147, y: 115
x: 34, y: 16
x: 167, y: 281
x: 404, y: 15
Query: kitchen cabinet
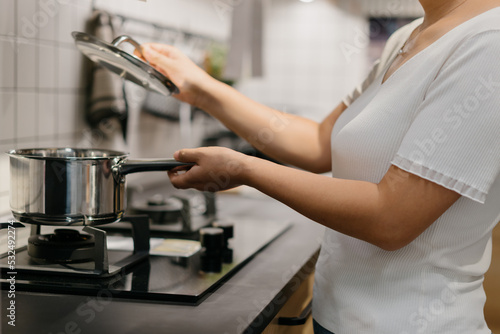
x: 293, y: 308
x: 492, y: 286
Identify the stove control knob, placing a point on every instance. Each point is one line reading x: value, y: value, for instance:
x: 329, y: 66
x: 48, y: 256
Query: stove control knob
x: 212, y: 238
x: 228, y: 228
x: 212, y: 243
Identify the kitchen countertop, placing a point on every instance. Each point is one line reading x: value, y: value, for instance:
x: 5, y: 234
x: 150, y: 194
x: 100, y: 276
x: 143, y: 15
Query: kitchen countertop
x: 246, y: 303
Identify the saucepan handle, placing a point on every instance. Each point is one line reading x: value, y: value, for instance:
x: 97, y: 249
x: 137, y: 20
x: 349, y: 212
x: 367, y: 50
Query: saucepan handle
x: 137, y: 166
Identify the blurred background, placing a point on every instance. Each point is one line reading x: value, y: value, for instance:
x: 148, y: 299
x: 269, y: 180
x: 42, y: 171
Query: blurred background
x: 300, y: 57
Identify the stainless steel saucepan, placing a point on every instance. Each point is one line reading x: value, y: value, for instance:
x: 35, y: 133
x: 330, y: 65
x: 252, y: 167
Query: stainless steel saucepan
x: 68, y: 186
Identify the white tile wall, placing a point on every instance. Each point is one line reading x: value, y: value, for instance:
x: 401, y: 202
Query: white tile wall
x: 6, y: 17
x: 47, y: 108
x: 47, y: 61
x: 67, y: 19
x: 7, y: 107
x: 47, y: 27
x: 27, y: 54
x: 41, y: 90
x: 4, y: 203
x: 305, y: 70
x: 4, y: 183
x: 67, y: 118
x: 33, y: 39
x: 4, y: 170
x: 27, y: 115
x: 7, y: 63
x: 69, y: 67
x: 25, y: 16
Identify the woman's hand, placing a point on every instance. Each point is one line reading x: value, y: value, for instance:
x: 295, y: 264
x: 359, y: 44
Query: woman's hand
x: 191, y: 80
x: 216, y: 168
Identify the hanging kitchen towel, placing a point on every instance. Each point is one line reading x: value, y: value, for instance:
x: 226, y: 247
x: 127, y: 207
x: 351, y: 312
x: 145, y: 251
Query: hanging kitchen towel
x: 246, y: 40
x: 106, y: 95
x: 162, y: 106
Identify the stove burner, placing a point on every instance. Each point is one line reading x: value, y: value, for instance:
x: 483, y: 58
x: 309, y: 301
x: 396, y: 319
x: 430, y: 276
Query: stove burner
x: 162, y: 210
x: 64, y: 245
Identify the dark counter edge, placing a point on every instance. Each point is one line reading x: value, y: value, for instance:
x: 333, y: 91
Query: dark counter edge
x: 272, y: 309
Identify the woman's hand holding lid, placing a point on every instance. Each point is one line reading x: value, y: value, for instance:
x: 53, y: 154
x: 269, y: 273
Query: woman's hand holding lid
x: 191, y: 80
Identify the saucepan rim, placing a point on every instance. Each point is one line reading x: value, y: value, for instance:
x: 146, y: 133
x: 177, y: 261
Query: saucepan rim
x: 67, y: 153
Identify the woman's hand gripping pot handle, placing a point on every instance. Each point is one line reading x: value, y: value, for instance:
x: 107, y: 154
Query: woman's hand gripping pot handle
x: 216, y: 169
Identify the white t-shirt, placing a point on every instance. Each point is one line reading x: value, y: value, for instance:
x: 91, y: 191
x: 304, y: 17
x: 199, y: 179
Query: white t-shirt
x: 437, y: 116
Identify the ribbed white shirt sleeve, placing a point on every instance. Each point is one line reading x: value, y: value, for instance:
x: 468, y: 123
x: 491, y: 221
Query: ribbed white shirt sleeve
x: 454, y: 139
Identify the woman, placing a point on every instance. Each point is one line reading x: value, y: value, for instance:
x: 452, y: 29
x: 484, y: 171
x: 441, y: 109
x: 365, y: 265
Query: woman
x: 415, y: 157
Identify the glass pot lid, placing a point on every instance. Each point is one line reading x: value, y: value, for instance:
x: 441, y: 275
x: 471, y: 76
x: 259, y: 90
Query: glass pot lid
x: 123, y: 63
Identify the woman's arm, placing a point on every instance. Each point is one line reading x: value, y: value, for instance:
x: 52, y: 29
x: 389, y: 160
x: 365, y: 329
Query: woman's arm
x: 287, y: 138
x: 389, y: 214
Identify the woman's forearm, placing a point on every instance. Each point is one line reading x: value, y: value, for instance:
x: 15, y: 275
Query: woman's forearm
x: 344, y: 205
x: 389, y: 214
x: 287, y: 138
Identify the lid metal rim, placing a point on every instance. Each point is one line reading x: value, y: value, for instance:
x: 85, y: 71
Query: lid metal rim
x: 81, y: 37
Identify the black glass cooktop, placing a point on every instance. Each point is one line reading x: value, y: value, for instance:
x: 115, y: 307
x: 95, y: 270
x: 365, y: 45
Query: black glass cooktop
x: 175, y: 279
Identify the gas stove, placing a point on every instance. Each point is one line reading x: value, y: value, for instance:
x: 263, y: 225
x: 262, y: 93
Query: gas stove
x: 177, y: 252
x: 179, y: 215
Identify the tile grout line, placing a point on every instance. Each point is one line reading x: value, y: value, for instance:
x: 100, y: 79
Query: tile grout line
x: 37, y: 81
x: 56, y: 83
x: 16, y: 51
